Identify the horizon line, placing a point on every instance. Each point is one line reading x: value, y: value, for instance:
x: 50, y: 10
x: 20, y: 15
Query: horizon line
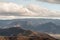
x: 30, y: 18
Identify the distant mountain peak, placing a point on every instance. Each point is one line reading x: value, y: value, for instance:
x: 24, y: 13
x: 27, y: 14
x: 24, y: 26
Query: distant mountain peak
x: 49, y: 23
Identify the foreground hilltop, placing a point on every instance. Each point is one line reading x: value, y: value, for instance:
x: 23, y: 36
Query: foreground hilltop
x: 17, y: 33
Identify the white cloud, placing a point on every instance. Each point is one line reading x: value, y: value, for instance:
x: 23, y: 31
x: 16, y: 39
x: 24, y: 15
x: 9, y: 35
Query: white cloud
x: 51, y: 1
x: 43, y: 12
x: 12, y: 10
x: 15, y: 10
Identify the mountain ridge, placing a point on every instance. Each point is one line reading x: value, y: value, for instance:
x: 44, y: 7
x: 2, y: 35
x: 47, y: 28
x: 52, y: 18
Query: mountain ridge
x: 23, y: 34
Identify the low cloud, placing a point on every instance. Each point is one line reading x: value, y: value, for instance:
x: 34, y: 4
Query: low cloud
x: 12, y: 10
x: 51, y: 1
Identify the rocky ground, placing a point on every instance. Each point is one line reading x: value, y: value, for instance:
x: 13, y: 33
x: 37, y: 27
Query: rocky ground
x: 16, y: 33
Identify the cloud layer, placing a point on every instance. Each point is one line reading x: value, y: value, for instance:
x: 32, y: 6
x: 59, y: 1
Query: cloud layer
x: 9, y: 9
x: 51, y: 1
x: 12, y: 10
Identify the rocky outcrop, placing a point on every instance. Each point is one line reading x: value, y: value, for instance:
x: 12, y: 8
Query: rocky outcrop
x: 21, y: 34
x: 26, y: 38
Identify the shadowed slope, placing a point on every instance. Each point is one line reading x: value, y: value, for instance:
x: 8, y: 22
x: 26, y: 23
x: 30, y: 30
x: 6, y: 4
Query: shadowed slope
x: 17, y: 33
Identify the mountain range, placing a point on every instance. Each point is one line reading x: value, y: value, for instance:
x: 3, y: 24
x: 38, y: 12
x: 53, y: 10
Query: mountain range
x: 40, y: 25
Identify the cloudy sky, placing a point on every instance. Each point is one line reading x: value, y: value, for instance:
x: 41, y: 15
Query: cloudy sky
x: 11, y: 9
